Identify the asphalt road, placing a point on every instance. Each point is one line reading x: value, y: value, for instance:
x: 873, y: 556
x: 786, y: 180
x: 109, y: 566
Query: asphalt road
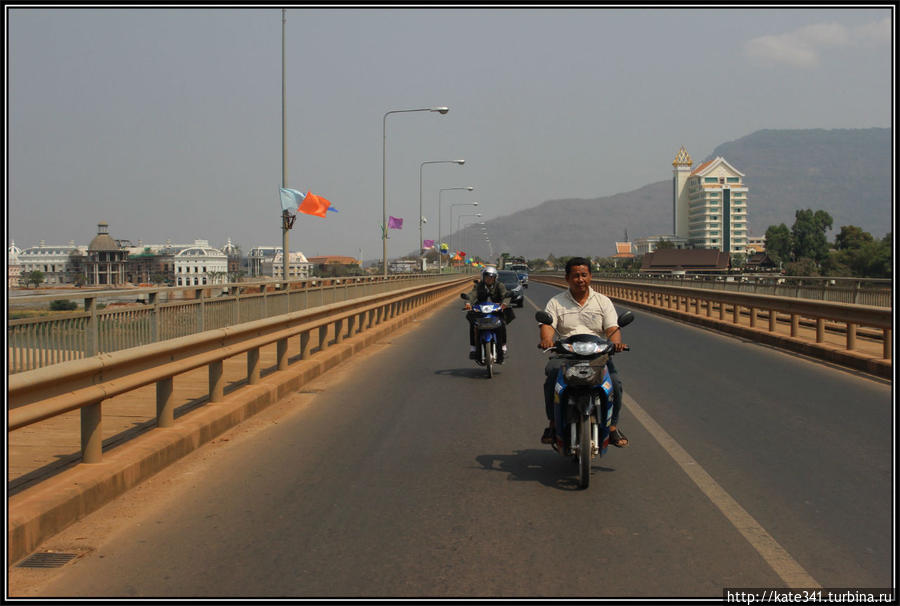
x: 408, y: 473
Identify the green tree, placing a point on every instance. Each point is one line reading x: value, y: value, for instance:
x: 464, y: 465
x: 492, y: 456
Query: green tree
x: 808, y: 235
x: 873, y: 260
x: 851, y: 237
x: 34, y: 277
x: 801, y: 267
x: 663, y: 244
x: 778, y: 242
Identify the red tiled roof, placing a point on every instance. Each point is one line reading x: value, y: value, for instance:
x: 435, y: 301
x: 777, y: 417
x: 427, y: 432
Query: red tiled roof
x: 332, y: 259
x: 702, y: 167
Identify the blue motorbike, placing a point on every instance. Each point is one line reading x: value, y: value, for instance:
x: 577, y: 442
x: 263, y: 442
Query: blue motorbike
x: 488, y: 318
x: 583, y: 396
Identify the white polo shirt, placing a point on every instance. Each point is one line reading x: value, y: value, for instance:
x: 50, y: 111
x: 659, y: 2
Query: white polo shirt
x: 569, y: 318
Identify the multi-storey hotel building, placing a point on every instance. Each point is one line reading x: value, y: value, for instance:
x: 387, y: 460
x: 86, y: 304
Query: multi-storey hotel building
x: 710, y: 204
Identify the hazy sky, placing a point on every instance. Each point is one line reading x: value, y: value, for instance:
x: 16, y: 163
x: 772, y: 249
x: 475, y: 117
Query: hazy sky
x: 166, y: 123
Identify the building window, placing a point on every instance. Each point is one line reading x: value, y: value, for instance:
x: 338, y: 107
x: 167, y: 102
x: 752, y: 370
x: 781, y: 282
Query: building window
x: 710, y: 180
x: 733, y: 179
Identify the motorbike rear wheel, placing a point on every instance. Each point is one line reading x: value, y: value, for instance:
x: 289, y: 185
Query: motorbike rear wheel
x: 584, y: 452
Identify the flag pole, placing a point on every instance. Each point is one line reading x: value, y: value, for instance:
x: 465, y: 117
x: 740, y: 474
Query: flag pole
x: 287, y: 220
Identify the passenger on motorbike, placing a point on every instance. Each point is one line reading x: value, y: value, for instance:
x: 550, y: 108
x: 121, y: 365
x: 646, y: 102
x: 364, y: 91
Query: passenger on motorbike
x: 488, y: 289
x: 580, y: 310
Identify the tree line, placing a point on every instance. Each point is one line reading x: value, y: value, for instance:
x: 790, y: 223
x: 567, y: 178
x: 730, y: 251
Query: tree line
x: 804, y: 250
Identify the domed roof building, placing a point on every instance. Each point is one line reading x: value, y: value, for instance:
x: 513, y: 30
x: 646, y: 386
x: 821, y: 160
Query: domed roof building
x: 105, y: 264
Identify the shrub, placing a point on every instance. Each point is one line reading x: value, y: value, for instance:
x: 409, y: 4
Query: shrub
x: 63, y: 305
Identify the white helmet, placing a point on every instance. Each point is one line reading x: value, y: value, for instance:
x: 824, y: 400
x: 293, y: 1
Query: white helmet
x: 488, y: 271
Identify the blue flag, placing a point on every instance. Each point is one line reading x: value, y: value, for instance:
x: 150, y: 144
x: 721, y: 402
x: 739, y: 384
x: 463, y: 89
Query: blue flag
x: 291, y: 199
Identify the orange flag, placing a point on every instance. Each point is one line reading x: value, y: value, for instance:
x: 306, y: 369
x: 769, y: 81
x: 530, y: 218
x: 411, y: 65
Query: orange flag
x: 314, y: 205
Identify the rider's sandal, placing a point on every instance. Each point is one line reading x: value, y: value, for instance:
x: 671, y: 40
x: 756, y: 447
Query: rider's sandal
x: 616, y: 436
x: 549, y: 436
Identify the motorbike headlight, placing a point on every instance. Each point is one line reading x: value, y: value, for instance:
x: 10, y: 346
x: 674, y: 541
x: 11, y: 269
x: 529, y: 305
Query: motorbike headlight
x: 583, y: 348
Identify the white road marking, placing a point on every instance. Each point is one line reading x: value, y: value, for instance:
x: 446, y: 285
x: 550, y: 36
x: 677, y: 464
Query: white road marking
x: 784, y: 565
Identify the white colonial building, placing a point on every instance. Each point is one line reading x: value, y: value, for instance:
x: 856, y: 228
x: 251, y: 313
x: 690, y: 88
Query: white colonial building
x: 54, y: 261
x: 200, y: 264
x: 13, y: 266
x: 710, y: 204
x: 298, y: 269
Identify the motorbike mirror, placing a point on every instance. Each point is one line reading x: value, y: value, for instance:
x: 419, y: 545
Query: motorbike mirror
x: 626, y: 318
x: 543, y: 317
x: 463, y: 295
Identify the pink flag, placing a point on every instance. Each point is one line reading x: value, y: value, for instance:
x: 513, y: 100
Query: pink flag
x: 395, y: 223
x: 428, y: 244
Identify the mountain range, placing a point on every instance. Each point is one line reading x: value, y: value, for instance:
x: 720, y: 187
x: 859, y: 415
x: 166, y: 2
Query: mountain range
x: 845, y: 172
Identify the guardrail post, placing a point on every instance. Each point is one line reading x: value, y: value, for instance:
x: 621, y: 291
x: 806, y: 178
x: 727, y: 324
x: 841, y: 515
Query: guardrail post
x: 236, y: 310
x: 820, y: 330
x: 339, y: 331
x: 253, y: 366
x: 165, y: 403
x: 886, y: 334
x: 153, y: 300
x: 323, y: 337
x: 201, y: 309
x: 92, y: 346
x: 216, y: 381
x: 795, y: 325
x: 753, y: 313
x: 281, y: 347
x: 773, y: 320
x: 735, y: 314
x: 304, y: 345
x: 851, y: 335
x: 91, y: 433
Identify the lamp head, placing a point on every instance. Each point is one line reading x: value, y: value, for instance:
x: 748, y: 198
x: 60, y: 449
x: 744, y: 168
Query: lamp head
x: 460, y: 162
x: 470, y: 188
x: 442, y: 110
x: 474, y: 203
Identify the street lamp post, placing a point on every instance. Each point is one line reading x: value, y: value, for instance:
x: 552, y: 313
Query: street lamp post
x: 451, y: 218
x: 421, y: 217
x: 384, y: 227
x: 457, y: 228
x: 440, y: 195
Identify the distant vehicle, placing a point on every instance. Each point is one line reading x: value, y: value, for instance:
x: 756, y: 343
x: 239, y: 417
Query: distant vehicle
x: 511, y: 281
x: 521, y: 270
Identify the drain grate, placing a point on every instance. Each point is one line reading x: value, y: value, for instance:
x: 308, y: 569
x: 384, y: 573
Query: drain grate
x: 48, y: 560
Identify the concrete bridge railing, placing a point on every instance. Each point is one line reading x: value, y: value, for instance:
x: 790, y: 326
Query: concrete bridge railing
x: 113, y: 320
x: 40, y: 394
x: 772, y: 319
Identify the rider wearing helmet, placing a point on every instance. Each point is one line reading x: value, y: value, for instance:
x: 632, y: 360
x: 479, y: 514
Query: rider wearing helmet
x: 488, y: 289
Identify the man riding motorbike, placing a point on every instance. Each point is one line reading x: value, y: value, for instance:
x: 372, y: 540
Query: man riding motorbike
x: 489, y: 289
x: 579, y: 310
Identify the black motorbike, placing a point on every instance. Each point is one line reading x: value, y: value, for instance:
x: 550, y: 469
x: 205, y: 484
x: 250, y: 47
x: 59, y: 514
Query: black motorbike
x: 583, y: 396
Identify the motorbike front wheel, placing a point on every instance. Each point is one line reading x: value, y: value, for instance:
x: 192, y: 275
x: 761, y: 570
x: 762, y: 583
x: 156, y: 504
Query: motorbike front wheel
x: 584, y: 452
x: 489, y: 359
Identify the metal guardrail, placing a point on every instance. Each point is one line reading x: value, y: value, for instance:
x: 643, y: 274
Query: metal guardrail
x: 43, y: 393
x: 858, y: 291
x: 733, y: 305
x: 159, y: 314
